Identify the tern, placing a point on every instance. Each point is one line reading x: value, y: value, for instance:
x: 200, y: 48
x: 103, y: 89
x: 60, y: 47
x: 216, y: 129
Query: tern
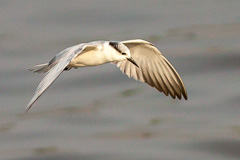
x: 136, y: 58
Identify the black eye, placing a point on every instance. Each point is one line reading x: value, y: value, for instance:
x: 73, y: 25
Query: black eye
x: 123, y: 53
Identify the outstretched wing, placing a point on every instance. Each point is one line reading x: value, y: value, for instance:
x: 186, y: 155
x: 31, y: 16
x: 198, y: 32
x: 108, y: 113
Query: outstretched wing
x: 57, y: 66
x: 154, y: 69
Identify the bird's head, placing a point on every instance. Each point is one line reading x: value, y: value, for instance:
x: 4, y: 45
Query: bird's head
x: 123, y: 51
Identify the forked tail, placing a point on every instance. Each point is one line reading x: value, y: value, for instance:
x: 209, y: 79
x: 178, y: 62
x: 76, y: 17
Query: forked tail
x: 41, y: 68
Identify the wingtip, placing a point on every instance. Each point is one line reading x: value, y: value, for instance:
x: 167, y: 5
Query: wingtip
x: 184, y: 92
x: 28, y: 108
x: 182, y: 96
x: 185, y: 96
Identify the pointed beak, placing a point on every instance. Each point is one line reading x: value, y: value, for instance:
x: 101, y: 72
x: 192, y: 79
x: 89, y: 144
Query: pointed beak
x: 132, y: 61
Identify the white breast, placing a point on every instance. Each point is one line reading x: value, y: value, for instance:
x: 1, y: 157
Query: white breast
x: 98, y: 56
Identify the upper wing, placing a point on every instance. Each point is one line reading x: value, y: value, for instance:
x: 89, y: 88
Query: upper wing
x: 154, y: 68
x: 57, y: 66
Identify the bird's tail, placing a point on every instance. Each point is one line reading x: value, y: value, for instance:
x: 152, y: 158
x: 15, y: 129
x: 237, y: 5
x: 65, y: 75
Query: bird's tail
x: 41, y: 68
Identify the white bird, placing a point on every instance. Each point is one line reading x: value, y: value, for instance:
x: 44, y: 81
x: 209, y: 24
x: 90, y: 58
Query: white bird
x: 136, y: 58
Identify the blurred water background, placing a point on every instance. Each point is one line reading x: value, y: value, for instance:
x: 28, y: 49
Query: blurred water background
x: 99, y: 113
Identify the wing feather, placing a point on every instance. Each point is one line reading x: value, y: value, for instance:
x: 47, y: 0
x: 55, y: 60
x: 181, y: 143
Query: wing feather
x: 160, y: 74
x: 154, y: 70
x: 57, y: 65
x: 166, y: 80
x: 172, y: 79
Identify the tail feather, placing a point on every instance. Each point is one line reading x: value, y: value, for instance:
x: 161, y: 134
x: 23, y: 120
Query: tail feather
x: 41, y: 68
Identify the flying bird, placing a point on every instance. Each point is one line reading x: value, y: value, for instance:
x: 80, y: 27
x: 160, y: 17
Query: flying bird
x: 136, y: 58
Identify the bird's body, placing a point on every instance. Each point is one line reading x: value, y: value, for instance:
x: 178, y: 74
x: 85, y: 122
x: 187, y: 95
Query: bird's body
x: 84, y: 59
x: 99, y: 54
x: 137, y: 58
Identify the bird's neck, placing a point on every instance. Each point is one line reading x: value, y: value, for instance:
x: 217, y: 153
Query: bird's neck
x: 110, y: 54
